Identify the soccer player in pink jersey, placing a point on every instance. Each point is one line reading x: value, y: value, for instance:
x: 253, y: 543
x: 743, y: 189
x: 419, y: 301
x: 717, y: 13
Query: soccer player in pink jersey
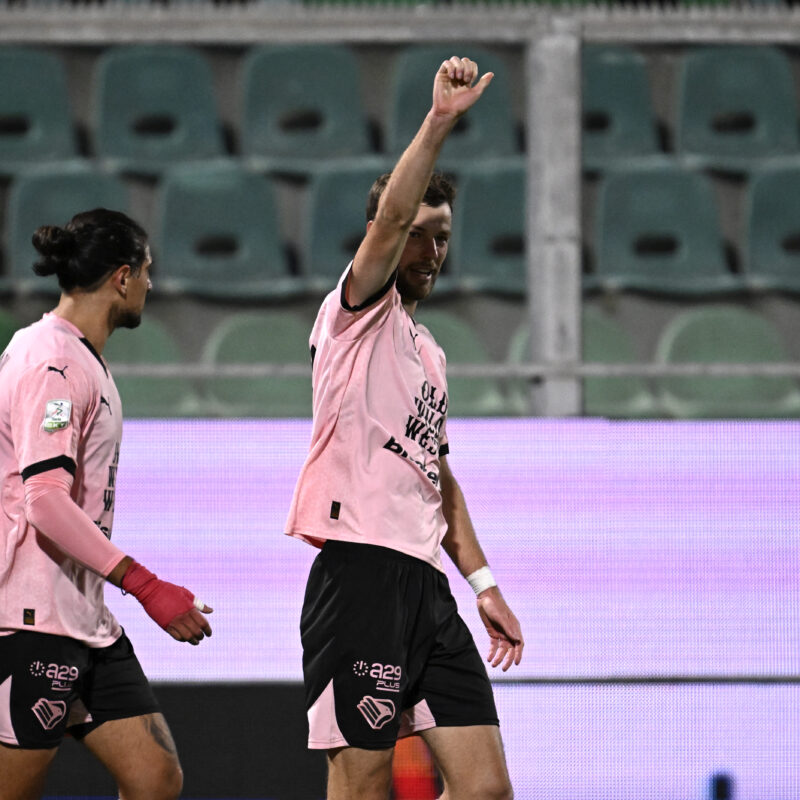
x: 65, y: 662
x: 385, y: 653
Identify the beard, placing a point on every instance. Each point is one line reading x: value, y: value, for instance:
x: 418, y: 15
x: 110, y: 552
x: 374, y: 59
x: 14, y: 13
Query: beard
x: 414, y: 291
x: 125, y: 319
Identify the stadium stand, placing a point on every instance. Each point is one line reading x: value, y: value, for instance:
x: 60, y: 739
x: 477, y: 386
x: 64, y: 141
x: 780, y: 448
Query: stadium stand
x: 725, y: 334
x: 244, y: 338
x: 154, y: 106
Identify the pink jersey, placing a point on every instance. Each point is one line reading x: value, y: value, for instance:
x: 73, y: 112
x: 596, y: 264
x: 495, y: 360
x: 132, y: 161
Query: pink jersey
x: 380, y: 409
x: 59, y: 409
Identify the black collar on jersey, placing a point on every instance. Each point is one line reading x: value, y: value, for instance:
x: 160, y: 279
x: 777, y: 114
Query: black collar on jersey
x: 95, y: 353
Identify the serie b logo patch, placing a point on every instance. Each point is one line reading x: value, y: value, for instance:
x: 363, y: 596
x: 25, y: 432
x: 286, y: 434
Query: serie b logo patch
x: 57, y: 414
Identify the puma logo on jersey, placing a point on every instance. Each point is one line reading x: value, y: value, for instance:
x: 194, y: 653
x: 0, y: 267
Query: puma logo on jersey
x: 104, y: 402
x: 59, y: 371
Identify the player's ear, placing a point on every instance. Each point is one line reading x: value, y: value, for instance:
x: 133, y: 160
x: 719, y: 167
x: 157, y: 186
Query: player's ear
x: 119, y: 279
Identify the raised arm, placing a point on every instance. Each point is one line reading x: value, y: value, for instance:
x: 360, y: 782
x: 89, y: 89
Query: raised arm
x: 454, y: 91
x: 461, y: 544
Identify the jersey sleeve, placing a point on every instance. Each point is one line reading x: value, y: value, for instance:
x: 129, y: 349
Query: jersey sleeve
x: 50, y: 406
x: 351, y: 322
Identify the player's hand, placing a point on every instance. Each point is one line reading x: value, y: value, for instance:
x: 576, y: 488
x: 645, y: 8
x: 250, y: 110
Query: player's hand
x: 453, y: 89
x: 504, y: 631
x: 172, y: 607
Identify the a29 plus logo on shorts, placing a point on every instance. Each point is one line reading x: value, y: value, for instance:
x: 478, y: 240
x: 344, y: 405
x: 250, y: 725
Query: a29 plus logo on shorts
x: 387, y: 677
x: 62, y: 676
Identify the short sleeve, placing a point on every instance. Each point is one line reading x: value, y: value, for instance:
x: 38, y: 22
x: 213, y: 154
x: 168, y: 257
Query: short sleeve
x: 51, y: 402
x: 351, y: 322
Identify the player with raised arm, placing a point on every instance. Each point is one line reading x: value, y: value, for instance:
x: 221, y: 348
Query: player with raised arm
x: 65, y: 662
x: 385, y: 653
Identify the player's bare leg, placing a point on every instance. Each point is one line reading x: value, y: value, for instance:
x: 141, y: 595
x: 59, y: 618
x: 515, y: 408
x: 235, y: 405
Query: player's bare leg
x: 471, y: 762
x: 140, y: 753
x: 23, y: 772
x: 365, y: 774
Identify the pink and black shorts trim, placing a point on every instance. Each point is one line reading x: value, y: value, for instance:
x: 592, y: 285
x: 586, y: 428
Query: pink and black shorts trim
x: 53, y: 684
x: 385, y: 653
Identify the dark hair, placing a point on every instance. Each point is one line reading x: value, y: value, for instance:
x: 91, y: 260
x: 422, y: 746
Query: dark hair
x: 89, y: 248
x: 440, y: 191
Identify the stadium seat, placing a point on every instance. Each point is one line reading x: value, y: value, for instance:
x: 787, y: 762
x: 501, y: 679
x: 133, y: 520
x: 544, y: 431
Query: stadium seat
x: 604, y: 340
x: 619, y: 122
x: 218, y: 234
x: 253, y: 337
x: 301, y: 104
x: 52, y: 196
x: 487, y: 251
x: 773, y: 229
x: 725, y: 334
x: 150, y: 343
x: 9, y: 325
x: 467, y: 397
x: 736, y: 106
x: 35, y: 116
x: 657, y: 230
x: 154, y: 106
x: 489, y: 130
x: 335, y: 218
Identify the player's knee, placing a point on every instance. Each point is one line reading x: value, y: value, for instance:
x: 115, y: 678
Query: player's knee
x: 490, y: 788
x: 172, y: 782
x: 161, y: 782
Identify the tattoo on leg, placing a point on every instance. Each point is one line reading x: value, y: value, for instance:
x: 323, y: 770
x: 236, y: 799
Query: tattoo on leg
x: 158, y: 729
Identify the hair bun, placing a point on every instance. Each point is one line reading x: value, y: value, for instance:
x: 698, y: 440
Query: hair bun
x: 57, y: 245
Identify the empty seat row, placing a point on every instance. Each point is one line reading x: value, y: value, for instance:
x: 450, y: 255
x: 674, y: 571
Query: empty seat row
x: 298, y: 105
x: 701, y: 335
x: 657, y: 229
x: 735, y: 106
x: 216, y: 230
x: 704, y: 334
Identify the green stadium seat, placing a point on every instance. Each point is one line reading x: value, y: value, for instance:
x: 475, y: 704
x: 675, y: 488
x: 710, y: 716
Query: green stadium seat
x: 218, y: 234
x: 736, y: 106
x: 725, y: 334
x: 52, y: 196
x: 467, y: 397
x: 772, y: 259
x: 604, y: 340
x: 487, y: 252
x: 657, y: 230
x: 335, y: 218
x: 488, y: 130
x: 147, y: 396
x: 301, y: 104
x: 260, y: 337
x: 619, y: 122
x: 36, y: 123
x: 154, y: 106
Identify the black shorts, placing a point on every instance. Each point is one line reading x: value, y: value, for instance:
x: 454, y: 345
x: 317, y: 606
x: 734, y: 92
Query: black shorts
x: 49, y: 684
x: 385, y: 653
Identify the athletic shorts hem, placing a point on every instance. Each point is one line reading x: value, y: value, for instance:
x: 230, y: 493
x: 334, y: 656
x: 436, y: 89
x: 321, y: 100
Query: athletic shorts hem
x: 18, y: 746
x: 80, y: 730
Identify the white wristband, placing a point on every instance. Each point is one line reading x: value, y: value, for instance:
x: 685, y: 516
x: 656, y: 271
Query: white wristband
x: 481, y: 579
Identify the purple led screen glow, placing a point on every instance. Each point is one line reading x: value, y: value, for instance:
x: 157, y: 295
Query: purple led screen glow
x: 637, y: 552
x: 625, y: 549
